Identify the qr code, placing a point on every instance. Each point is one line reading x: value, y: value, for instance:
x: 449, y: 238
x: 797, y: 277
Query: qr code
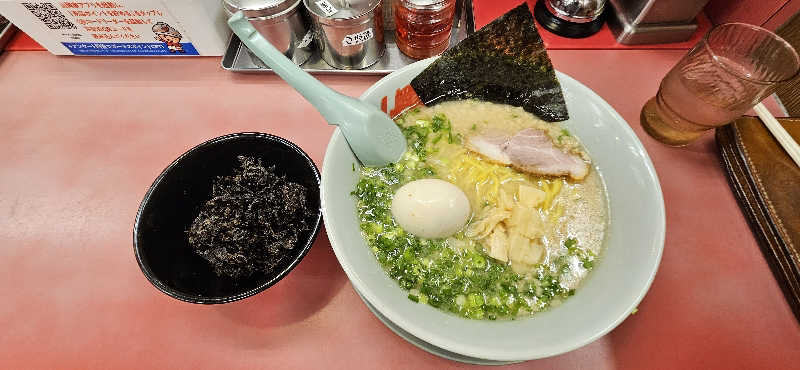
x: 50, y: 15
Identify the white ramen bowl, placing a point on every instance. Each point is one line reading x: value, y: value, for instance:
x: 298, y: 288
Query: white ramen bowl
x: 620, y: 279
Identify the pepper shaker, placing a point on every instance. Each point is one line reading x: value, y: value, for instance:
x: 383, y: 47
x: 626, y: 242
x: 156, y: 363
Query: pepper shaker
x: 571, y: 18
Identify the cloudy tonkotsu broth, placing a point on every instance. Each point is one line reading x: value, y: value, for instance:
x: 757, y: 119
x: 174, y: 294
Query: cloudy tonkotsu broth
x: 561, y: 230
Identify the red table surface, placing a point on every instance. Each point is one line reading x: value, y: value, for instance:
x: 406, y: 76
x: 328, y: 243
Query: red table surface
x: 85, y: 137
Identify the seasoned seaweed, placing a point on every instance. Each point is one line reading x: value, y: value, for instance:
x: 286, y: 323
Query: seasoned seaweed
x: 504, y: 62
x: 253, y: 219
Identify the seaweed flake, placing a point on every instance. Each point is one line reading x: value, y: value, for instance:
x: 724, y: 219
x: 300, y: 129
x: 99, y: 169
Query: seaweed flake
x: 252, y: 221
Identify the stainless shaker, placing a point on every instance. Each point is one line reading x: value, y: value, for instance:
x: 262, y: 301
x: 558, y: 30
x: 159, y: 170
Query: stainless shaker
x: 571, y: 18
x: 348, y: 33
x: 654, y: 21
x: 281, y: 22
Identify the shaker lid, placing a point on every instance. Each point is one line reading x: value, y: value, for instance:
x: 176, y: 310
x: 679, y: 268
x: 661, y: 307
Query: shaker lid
x: 340, y: 9
x: 259, y: 8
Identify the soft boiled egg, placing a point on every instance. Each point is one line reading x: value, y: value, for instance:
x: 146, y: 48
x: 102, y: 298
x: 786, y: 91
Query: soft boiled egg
x: 430, y: 208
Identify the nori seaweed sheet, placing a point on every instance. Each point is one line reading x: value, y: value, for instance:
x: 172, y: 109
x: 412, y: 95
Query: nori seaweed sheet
x: 504, y: 62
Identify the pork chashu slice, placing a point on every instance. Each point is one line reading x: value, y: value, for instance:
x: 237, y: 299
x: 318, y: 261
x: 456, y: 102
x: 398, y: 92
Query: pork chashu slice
x: 529, y: 150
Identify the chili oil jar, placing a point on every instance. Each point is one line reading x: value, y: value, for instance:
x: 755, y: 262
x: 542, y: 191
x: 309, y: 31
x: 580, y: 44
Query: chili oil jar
x: 422, y: 27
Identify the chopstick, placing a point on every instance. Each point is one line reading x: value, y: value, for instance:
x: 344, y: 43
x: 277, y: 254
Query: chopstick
x: 783, y: 137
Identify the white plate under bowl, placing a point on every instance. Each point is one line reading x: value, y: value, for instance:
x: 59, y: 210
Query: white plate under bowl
x: 427, y: 346
x: 633, y: 247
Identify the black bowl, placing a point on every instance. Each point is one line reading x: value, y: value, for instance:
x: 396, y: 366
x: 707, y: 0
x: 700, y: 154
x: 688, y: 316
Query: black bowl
x: 174, y: 200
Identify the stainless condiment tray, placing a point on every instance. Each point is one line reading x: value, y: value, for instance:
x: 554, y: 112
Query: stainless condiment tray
x: 7, y: 30
x: 237, y: 58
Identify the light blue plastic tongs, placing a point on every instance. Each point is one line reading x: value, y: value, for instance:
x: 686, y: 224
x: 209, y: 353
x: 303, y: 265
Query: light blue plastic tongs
x: 374, y: 137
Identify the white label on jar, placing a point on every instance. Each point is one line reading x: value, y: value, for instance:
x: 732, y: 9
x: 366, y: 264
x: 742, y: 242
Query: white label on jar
x: 306, y: 40
x: 326, y: 7
x: 357, y: 38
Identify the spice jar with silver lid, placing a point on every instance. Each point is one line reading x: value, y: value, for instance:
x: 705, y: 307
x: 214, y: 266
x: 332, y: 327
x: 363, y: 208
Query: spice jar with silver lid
x: 348, y: 33
x: 281, y: 22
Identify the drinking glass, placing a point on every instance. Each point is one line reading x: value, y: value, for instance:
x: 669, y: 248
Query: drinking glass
x: 735, y: 66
